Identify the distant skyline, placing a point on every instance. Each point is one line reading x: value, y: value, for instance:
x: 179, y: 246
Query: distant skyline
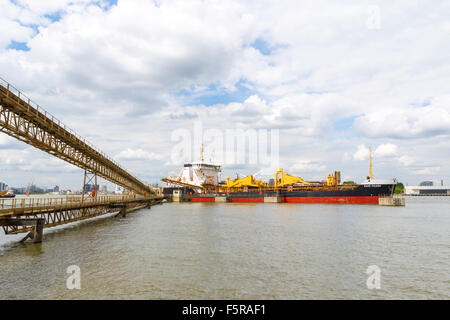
x: 334, y: 78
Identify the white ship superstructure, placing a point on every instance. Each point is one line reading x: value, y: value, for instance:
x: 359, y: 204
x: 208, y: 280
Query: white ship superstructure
x: 199, y: 173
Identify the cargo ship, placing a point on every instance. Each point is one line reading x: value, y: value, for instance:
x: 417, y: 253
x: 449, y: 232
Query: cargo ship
x: 199, y: 182
x: 196, y: 177
x: 7, y: 194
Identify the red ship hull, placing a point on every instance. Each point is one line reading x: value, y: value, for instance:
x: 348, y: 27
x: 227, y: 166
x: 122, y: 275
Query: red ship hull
x: 202, y: 200
x: 247, y: 199
x: 355, y: 199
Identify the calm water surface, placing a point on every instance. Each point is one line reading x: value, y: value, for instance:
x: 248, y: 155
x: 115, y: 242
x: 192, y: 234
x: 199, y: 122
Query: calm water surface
x: 240, y: 251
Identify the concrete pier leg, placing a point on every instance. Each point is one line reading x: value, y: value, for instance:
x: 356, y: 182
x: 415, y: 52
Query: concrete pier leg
x: 276, y: 199
x: 391, y: 201
x: 37, y: 230
x: 178, y: 196
x: 221, y: 199
x: 123, y: 211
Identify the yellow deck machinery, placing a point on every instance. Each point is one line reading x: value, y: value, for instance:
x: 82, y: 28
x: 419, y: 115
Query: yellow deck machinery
x: 283, y: 179
x: 330, y: 180
x: 248, y: 181
x: 334, y: 179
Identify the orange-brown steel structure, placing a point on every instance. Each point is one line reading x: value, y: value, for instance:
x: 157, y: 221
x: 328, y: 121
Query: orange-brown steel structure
x: 26, y: 121
x: 21, y: 118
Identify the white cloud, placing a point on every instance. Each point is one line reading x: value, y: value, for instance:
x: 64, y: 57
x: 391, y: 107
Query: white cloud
x: 137, y: 154
x: 305, y: 166
x: 408, y: 122
x: 305, y: 114
x: 4, y: 139
x: 10, y: 28
x: 386, y: 150
x: 136, y: 50
x: 48, y: 6
x: 46, y: 165
x: 427, y: 171
x: 14, y: 156
x: 30, y: 159
x: 406, y: 160
x: 362, y: 153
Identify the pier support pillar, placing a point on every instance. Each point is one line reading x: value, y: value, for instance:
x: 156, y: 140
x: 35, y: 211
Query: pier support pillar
x: 221, y: 199
x: 36, y: 233
x: 37, y: 227
x: 123, y: 211
x: 177, y: 196
x: 276, y: 199
x: 391, y: 201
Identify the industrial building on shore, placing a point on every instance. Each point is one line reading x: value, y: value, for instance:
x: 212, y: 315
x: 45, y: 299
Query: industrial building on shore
x: 427, y: 188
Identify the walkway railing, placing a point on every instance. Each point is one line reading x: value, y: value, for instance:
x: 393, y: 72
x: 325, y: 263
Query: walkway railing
x: 7, y: 205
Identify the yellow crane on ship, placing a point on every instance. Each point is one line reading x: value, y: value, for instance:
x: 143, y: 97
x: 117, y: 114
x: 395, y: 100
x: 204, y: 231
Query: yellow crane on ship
x: 248, y: 181
x: 283, y: 179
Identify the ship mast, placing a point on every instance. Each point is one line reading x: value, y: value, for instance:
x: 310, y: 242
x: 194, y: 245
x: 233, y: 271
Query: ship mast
x: 370, y: 166
x: 201, y: 154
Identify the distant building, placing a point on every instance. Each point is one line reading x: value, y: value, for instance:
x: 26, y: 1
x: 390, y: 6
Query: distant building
x: 3, y: 186
x: 104, y: 189
x: 56, y: 189
x: 89, y: 187
x: 19, y: 190
x: 34, y: 189
x: 426, y: 184
x: 427, y: 190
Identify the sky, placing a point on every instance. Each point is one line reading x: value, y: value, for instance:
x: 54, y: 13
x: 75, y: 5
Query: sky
x: 333, y: 78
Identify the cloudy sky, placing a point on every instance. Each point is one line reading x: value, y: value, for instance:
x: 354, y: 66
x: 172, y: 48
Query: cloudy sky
x: 334, y: 78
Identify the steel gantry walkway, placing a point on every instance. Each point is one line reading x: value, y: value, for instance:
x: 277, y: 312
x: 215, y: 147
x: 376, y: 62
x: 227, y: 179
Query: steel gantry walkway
x: 26, y: 121
x: 23, y: 119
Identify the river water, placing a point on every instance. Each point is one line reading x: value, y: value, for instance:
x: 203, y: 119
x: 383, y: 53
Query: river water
x: 240, y: 251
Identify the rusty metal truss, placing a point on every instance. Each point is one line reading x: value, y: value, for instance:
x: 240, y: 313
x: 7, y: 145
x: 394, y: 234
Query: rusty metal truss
x: 22, y: 119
